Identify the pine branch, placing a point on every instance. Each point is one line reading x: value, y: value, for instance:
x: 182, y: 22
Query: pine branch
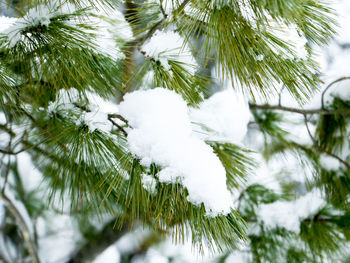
x: 118, y: 126
x: 181, y: 7
x: 116, y: 115
x: 22, y: 225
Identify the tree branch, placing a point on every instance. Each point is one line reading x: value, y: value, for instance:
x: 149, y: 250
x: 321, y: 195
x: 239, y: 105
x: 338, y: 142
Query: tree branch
x: 327, y: 88
x: 118, y: 126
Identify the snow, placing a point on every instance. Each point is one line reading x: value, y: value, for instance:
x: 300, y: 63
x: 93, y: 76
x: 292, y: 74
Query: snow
x: 58, y: 236
x: 329, y: 163
x: 149, y: 183
x: 289, y: 214
x: 132, y: 240
x: 226, y: 114
x: 161, y: 133
x: 6, y: 22
x: 237, y: 257
x: 119, y: 27
x: 169, y: 45
x: 342, y: 9
x: 260, y: 57
x: 111, y: 28
x: 30, y: 175
x: 108, y: 31
x: 110, y: 255
x: 37, y: 16
x: 95, y: 118
x: 341, y: 90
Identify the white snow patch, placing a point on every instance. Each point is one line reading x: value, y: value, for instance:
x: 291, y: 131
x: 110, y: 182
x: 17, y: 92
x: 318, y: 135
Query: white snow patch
x: 329, y: 163
x: 226, y: 114
x: 110, y: 255
x: 149, y: 183
x: 169, y: 45
x: 6, y: 22
x: 39, y: 15
x: 162, y: 134
x: 289, y: 214
x: 260, y: 57
x: 111, y: 29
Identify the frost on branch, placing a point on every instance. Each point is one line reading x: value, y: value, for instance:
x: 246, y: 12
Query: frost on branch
x: 161, y: 133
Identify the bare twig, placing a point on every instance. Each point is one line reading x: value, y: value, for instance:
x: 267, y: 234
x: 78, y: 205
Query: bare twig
x: 309, y: 132
x: 327, y: 88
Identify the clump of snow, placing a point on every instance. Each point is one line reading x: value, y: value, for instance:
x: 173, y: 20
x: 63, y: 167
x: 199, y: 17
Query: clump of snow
x: 260, y: 57
x: 119, y: 27
x: 169, y: 45
x: 111, y: 28
x: 37, y: 16
x: 161, y: 133
x: 289, y: 214
x: 149, y: 183
x: 6, y: 22
x: 226, y: 114
x: 329, y: 163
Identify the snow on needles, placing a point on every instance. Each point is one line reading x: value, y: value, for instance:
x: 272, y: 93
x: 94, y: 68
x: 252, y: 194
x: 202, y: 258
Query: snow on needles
x: 109, y: 28
x: 36, y: 16
x: 161, y: 133
x: 169, y: 45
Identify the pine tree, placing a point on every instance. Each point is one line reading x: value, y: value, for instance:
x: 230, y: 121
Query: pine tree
x: 115, y: 103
